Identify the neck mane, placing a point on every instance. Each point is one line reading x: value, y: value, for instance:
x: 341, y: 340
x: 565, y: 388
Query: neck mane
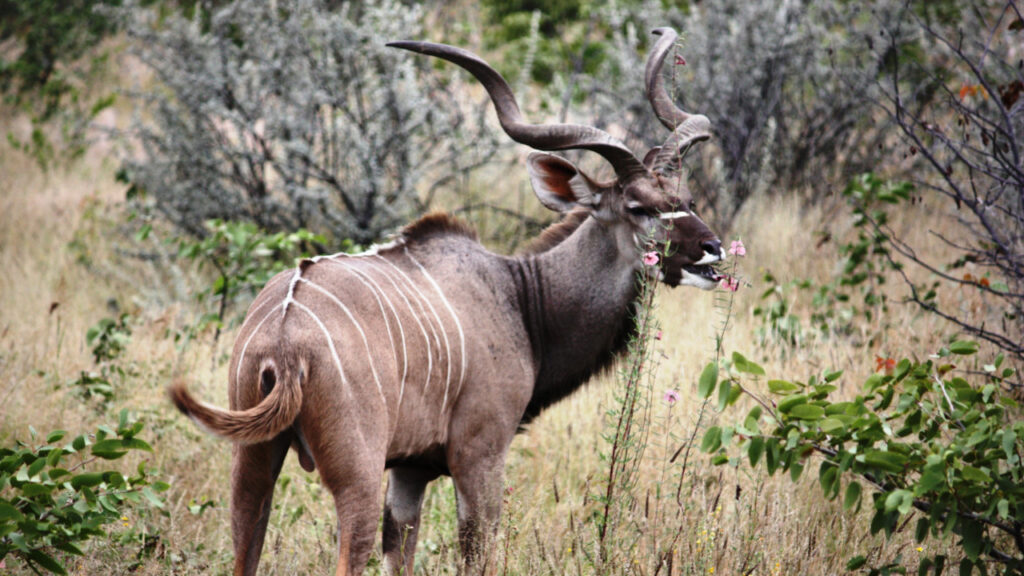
x: 556, y: 233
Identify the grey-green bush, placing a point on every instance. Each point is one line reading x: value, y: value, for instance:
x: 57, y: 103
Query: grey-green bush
x: 291, y: 115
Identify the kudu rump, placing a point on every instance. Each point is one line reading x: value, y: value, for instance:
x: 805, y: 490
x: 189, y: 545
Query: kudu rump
x: 423, y: 357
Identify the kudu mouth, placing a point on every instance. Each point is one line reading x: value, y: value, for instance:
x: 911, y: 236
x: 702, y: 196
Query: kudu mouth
x: 705, y: 277
x: 703, y: 274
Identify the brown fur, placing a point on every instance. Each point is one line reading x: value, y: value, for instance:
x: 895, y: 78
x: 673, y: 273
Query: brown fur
x: 437, y: 397
x: 556, y: 233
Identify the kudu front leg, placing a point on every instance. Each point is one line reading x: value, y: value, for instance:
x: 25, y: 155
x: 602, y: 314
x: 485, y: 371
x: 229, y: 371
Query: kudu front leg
x: 478, y: 495
x: 402, y: 506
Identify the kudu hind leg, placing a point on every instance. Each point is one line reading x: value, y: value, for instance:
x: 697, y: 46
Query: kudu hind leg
x: 255, y: 469
x: 356, y: 491
x: 402, y: 506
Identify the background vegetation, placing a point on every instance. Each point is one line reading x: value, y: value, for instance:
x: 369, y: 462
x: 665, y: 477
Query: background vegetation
x: 160, y: 163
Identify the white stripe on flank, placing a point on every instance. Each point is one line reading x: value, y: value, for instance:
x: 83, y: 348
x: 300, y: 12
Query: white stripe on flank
x: 359, y: 327
x: 440, y: 325
x: 420, y: 300
x: 447, y: 304
x: 674, y: 215
x: 330, y: 343
x: 426, y: 338
x: 241, y: 356
x: 379, y: 293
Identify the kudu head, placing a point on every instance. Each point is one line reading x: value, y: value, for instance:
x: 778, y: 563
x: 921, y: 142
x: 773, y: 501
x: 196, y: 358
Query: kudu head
x: 648, y: 202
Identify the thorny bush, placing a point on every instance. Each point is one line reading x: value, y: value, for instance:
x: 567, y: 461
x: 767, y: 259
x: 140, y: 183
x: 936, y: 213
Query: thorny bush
x: 292, y: 115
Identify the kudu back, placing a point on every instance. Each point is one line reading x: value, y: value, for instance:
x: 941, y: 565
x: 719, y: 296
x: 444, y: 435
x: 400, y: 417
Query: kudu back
x: 425, y: 356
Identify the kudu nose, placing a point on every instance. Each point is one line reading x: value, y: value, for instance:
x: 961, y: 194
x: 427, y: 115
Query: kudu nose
x: 713, y: 246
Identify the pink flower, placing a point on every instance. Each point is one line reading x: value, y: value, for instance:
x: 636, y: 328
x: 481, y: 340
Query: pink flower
x: 651, y: 258
x: 730, y: 283
x: 657, y: 335
x: 737, y: 248
x: 680, y: 61
x: 670, y: 397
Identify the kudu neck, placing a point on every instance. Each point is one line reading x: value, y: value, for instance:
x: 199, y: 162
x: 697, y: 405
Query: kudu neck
x: 579, y: 298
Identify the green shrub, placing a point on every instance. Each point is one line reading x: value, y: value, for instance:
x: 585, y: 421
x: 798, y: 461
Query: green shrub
x: 938, y: 445
x: 54, y: 497
x: 244, y: 258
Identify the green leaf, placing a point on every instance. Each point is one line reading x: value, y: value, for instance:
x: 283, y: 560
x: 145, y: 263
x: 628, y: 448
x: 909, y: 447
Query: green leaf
x: 887, y: 461
x: 963, y: 347
x: 744, y: 365
x: 795, y: 469
x: 781, y: 387
x: 36, y: 467
x: 807, y: 412
x: 724, y: 391
x: 68, y: 547
x: 38, y: 557
x: 921, y: 530
x: 87, y: 479
x: 856, y: 562
x: 9, y: 512
x: 33, y: 489
x: 137, y: 444
x: 901, y: 369
x: 712, y: 440
x: 755, y: 449
x: 55, y: 436
x: 976, y: 475
x: 852, y: 497
x: 789, y: 402
x: 110, y: 449
x: 930, y: 479
x: 828, y: 478
x: 1003, y: 508
x: 708, y: 379
x: 973, y: 537
x: 831, y: 426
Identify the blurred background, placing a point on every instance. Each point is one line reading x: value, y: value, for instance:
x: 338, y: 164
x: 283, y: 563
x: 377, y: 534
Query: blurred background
x: 162, y: 159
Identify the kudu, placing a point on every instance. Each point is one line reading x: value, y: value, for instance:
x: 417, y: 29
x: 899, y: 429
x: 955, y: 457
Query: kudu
x: 425, y: 356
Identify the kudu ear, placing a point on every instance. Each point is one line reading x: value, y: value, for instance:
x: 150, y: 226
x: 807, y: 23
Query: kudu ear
x: 559, y: 185
x: 651, y: 155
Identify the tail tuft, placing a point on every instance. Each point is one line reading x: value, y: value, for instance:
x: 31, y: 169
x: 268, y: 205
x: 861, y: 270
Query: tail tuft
x: 181, y: 398
x: 282, y: 390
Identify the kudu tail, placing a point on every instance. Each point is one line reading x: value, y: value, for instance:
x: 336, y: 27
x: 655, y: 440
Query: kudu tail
x: 274, y: 414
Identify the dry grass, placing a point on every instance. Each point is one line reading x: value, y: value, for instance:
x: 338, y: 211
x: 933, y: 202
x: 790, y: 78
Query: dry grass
x: 726, y: 521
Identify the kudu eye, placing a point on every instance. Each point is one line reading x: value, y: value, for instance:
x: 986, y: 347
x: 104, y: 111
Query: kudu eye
x: 638, y: 210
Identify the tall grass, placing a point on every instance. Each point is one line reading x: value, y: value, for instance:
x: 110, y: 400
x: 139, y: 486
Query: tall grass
x: 57, y: 255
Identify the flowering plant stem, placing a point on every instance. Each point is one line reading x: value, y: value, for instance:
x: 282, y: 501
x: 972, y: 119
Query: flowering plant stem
x: 628, y: 438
